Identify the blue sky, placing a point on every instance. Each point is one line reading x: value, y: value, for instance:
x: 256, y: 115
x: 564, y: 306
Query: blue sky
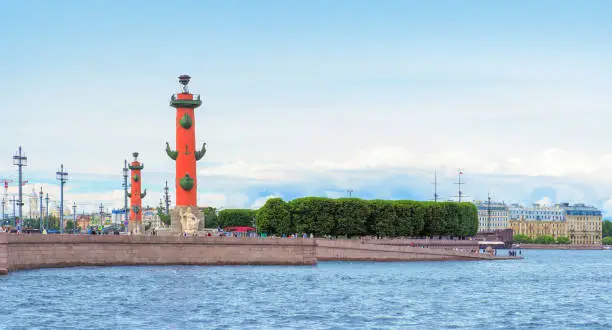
x: 314, y: 97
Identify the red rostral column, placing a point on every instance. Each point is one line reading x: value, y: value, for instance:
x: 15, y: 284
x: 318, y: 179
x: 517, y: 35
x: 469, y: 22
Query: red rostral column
x: 136, y: 196
x: 186, y: 154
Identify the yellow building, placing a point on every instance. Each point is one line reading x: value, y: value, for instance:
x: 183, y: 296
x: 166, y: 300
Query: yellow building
x: 584, y: 224
x: 535, y: 228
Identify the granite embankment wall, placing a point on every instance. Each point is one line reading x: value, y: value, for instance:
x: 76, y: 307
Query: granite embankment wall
x: 427, y: 243
x: 559, y: 247
x: 40, y: 251
x: 355, y: 250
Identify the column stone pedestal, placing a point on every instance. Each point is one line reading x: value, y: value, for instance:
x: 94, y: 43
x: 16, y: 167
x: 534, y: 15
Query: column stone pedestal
x: 192, y: 217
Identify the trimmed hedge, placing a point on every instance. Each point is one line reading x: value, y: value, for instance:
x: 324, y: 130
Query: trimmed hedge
x: 358, y: 217
x: 236, y: 217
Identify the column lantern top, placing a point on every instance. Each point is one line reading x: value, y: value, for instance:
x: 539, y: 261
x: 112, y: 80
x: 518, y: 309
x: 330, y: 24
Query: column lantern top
x: 135, y: 165
x: 185, y: 99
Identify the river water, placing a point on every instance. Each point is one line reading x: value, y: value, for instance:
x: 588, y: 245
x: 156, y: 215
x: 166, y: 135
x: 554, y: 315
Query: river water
x: 548, y: 289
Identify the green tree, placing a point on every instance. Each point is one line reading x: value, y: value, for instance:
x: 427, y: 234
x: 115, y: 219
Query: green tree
x: 404, y: 213
x: 351, y: 217
x: 607, y: 240
x: 433, y: 222
x: 70, y: 226
x: 315, y: 215
x: 211, y: 219
x: 520, y: 239
x: 383, y: 219
x: 236, y: 217
x: 163, y: 217
x: 563, y: 240
x: 544, y: 239
x: 468, y: 217
x: 53, y: 222
x: 274, y: 217
x: 607, y: 228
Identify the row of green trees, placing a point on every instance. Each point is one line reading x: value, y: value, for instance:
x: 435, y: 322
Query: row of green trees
x: 357, y: 217
x: 545, y: 239
x: 52, y: 222
x: 607, y: 228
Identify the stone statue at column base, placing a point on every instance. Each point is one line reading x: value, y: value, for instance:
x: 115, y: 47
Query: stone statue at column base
x: 136, y: 228
x: 185, y: 219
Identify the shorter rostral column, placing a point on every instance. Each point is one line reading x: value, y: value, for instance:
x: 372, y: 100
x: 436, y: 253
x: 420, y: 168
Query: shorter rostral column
x: 186, y: 216
x: 135, y: 224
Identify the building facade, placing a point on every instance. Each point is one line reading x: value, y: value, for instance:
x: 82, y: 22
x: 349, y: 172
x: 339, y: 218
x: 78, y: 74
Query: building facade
x: 584, y: 224
x: 151, y: 219
x: 492, y: 216
x: 537, y: 212
x: 535, y: 228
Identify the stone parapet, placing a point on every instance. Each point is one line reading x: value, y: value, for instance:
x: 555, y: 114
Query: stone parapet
x: 559, y: 247
x: 4, y: 266
x: 27, y: 251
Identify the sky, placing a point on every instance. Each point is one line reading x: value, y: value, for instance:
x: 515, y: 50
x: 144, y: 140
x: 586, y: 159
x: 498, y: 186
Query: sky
x: 313, y: 98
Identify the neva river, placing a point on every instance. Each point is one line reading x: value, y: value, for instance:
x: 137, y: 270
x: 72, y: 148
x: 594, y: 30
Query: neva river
x: 547, y: 290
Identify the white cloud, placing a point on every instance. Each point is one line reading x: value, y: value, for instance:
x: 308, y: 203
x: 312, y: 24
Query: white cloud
x: 546, y: 201
x: 261, y: 201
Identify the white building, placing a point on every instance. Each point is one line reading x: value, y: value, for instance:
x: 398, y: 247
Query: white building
x: 492, y: 216
x: 150, y: 216
x: 537, y: 212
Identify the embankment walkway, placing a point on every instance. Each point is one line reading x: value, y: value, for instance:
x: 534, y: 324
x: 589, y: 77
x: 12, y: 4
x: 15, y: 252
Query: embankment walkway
x: 29, y: 251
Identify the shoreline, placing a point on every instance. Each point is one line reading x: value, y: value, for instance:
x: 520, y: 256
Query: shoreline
x: 557, y: 247
x: 33, y: 251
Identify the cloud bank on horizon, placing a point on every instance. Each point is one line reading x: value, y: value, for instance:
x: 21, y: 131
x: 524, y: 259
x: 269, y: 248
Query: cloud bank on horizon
x: 315, y: 98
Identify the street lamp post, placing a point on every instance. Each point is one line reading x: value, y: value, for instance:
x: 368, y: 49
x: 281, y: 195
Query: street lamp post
x: 125, y: 193
x: 62, y: 177
x: 74, y: 217
x: 47, y: 211
x: 20, y: 160
x: 41, y: 210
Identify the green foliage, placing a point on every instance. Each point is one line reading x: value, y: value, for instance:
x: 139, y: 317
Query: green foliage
x: 69, y: 225
x: 545, y: 239
x: 274, y: 217
x: 607, y: 228
x: 53, y: 223
x: 186, y: 122
x: 382, y: 220
x: 351, y: 216
x: 313, y: 215
x: 236, y: 217
x: 563, y: 240
x: 210, y: 218
x: 163, y: 217
x: 607, y: 240
x: 519, y: 239
x: 355, y: 217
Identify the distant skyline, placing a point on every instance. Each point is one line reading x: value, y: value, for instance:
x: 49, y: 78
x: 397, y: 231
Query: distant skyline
x: 314, y: 97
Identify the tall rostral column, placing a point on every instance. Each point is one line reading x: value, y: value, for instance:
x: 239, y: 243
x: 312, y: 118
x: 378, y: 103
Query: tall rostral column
x: 135, y: 224
x: 186, y: 216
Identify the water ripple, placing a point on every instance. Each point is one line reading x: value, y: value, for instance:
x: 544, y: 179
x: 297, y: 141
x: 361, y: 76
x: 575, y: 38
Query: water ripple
x: 549, y: 289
